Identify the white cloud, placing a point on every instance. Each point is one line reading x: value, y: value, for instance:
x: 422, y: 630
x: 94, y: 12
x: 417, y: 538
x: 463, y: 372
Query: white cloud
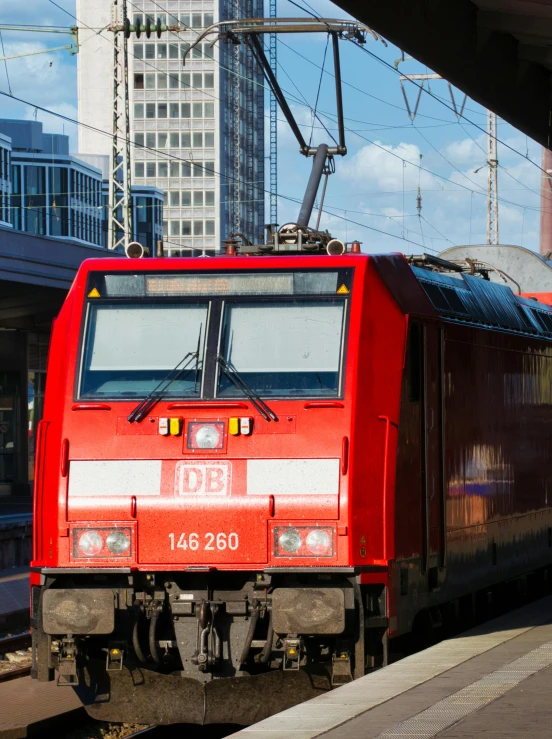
x: 467, y: 150
x: 387, y: 167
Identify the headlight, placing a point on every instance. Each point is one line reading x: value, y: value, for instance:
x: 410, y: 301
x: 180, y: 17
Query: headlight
x: 304, y: 541
x: 102, y: 543
x: 90, y: 543
x: 290, y: 540
x: 319, y: 542
x: 118, y: 542
x: 205, y: 435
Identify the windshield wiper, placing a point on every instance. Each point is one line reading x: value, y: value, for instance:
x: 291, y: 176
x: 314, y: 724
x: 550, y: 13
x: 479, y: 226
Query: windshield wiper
x: 145, y: 405
x: 237, y: 380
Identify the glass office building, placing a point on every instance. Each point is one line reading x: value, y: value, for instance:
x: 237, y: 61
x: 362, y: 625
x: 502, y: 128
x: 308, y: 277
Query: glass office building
x: 50, y: 192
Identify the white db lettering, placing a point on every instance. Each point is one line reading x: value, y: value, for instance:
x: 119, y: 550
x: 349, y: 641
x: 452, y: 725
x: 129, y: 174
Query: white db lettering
x: 203, y: 478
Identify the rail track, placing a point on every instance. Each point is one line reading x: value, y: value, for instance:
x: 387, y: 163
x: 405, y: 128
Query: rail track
x: 14, y: 643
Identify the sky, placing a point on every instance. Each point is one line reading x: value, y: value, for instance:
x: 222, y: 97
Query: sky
x: 372, y: 196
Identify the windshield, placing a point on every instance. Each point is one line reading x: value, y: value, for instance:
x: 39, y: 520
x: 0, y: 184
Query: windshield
x: 129, y: 349
x: 283, y: 348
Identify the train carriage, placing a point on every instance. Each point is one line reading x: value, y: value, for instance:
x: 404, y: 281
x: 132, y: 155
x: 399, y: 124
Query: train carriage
x: 267, y: 467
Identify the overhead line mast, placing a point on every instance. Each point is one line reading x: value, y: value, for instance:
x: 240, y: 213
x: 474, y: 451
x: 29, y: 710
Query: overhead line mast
x: 273, y: 126
x: 120, y: 199
x: 492, y: 157
x: 492, y: 186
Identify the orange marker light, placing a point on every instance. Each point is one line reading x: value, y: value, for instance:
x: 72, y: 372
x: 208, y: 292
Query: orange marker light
x: 234, y: 426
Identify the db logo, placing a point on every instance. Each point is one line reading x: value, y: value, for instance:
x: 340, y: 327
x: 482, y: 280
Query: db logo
x: 203, y: 478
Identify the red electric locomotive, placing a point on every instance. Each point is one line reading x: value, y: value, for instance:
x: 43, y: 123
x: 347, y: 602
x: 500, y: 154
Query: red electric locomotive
x: 252, y: 470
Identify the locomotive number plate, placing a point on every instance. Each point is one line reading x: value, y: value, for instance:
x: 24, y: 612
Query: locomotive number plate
x: 208, y: 542
x: 203, y: 478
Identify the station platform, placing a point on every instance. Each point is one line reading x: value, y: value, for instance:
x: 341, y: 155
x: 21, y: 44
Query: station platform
x: 493, y: 681
x: 14, y: 595
x: 32, y: 709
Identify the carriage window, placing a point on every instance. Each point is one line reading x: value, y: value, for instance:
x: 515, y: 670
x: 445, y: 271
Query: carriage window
x: 130, y: 349
x: 284, y: 348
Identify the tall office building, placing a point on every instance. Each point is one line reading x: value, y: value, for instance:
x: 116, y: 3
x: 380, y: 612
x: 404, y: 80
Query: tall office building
x: 197, y: 129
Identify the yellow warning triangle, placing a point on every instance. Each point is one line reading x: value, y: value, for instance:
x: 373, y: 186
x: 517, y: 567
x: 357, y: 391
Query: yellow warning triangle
x: 343, y: 290
x: 94, y: 293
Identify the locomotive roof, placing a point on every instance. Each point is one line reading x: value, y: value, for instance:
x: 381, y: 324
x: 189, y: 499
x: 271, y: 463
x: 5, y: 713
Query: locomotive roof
x: 475, y: 300
x: 458, y: 296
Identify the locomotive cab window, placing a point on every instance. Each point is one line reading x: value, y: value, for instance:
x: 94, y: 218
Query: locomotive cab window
x: 282, y: 333
x: 130, y: 349
x: 283, y: 348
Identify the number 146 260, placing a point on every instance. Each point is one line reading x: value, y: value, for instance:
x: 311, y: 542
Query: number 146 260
x: 206, y: 542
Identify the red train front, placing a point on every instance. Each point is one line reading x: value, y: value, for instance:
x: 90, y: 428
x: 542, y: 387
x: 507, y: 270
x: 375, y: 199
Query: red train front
x: 243, y: 470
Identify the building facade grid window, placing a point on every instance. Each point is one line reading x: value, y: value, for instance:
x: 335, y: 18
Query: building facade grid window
x: 180, y: 118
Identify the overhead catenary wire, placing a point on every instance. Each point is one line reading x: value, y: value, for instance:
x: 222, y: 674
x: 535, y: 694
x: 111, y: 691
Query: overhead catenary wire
x: 435, y: 174
x: 443, y: 102
x: 506, y: 171
x: 446, y: 105
x: 165, y: 11
x: 319, y: 88
x: 286, y: 198
x: 176, y: 76
x: 383, y: 148
x: 428, y: 91
x: 256, y: 82
x: 314, y: 113
x: 360, y: 90
x: 346, y: 83
x: 305, y: 103
x: 480, y: 192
